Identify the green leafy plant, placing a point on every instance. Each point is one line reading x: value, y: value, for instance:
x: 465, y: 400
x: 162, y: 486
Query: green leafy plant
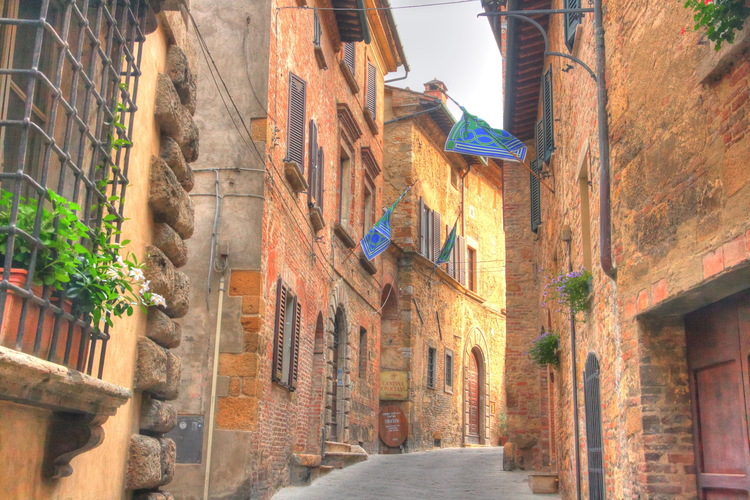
x: 59, y: 226
x: 543, y: 350
x: 502, y: 423
x: 720, y: 19
x: 571, y: 289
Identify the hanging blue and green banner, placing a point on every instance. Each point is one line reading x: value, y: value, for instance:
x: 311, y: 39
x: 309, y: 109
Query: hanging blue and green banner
x: 378, y: 238
x: 473, y: 136
x: 450, y: 242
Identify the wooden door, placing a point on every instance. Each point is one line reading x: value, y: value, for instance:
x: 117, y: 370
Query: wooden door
x: 718, y: 345
x: 473, y: 381
x: 335, y: 391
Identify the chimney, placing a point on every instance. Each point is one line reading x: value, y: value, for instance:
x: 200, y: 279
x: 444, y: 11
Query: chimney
x: 436, y: 88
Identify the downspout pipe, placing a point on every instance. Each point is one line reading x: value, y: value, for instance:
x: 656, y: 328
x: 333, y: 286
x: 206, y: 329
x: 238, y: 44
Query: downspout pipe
x: 605, y: 205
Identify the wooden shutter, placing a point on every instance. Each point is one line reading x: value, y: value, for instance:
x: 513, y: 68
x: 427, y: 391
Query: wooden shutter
x: 316, y: 29
x: 312, y: 174
x: 296, y: 126
x: 423, y: 233
x: 372, y: 96
x: 571, y: 22
x: 535, y: 195
x: 449, y: 268
x: 349, y: 56
x: 278, y: 334
x: 321, y: 166
x: 294, y: 369
x: 549, y: 133
x: 540, y: 139
x: 436, y: 225
x: 461, y: 242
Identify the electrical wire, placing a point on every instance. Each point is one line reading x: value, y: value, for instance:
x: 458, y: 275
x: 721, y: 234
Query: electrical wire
x: 434, y: 4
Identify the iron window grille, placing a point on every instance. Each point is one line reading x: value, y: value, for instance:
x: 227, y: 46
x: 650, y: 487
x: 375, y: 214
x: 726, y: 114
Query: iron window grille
x: 69, y: 72
x: 594, y: 428
x: 431, y: 366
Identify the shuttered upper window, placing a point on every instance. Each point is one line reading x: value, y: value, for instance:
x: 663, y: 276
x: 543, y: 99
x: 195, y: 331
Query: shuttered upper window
x: 350, y: 56
x: 431, y: 366
x: 431, y: 242
x: 571, y: 22
x: 286, y: 336
x: 315, y: 171
x: 372, y: 85
x: 296, y: 127
x: 317, y: 30
x: 535, y: 195
x: 548, y: 116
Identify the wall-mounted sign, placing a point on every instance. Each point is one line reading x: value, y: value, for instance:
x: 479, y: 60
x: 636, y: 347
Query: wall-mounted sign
x: 394, y: 386
x: 393, y: 428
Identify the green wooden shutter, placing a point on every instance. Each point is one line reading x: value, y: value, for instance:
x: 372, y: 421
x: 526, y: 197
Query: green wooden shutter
x: 535, y: 195
x: 296, y: 126
x: 571, y: 22
x: 540, y: 139
x: 278, y: 335
x: 549, y: 120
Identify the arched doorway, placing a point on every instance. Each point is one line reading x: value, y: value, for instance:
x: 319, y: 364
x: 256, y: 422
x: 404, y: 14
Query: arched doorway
x: 475, y: 398
x: 337, y: 366
x: 319, y: 378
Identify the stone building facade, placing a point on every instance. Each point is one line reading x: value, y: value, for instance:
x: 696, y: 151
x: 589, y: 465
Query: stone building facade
x: 659, y: 350
x: 290, y: 183
x: 103, y: 403
x: 444, y: 326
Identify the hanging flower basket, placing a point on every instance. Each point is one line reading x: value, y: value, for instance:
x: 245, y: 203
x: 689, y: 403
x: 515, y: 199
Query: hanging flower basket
x: 544, y: 349
x: 572, y: 289
x: 720, y: 19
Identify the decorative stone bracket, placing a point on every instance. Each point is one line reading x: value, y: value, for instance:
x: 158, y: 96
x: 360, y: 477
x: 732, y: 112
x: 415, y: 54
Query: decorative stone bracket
x: 80, y: 405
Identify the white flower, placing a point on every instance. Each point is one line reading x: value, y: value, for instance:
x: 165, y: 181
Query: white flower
x: 137, y: 274
x: 158, y: 300
x: 112, y: 273
x: 120, y: 261
x: 145, y: 287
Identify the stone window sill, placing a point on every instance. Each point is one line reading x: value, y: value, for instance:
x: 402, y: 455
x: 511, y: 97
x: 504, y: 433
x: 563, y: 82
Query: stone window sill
x: 295, y: 177
x: 316, y: 218
x: 343, y: 234
x: 320, y: 58
x: 714, y: 64
x: 370, y: 121
x: 350, y: 80
x: 80, y: 404
x: 367, y: 265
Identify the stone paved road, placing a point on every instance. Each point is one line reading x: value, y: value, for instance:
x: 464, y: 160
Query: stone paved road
x: 453, y: 473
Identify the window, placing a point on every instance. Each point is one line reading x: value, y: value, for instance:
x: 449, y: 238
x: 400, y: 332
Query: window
x: 362, y: 353
x: 583, y: 190
x: 295, y: 146
x: 571, y: 22
x: 345, y: 180
x: 372, y: 85
x: 431, y: 366
x: 448, y: 370
x: 350, y: 51
x: 461, y: 267
x: 368, y: 207
x: 317, y: 30
x: 286, y: 336
x: 66, y: 115
x: 547, y: 116
x: 534, y: 185
x: 429, y: 232
x: 315, y: 172
x: 471, y: 268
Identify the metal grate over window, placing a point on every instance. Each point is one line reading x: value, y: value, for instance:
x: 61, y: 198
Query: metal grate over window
x: 594, y: 428
x: 69, y: 73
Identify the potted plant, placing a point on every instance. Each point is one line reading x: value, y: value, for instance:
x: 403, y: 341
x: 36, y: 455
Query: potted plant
x: 571, y: 289
x: 720, y: 18
x: 502, y: 423
x: 543, y: 349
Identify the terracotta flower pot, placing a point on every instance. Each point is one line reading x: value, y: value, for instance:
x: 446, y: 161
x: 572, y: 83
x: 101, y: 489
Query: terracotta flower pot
x: 503, y: 440
x: 12, y: 317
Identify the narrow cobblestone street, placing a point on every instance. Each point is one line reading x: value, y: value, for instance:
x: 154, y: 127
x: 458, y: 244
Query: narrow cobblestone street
x: 454, y: 473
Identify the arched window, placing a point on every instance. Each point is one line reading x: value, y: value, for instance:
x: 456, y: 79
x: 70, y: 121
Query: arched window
x: 594, y: 428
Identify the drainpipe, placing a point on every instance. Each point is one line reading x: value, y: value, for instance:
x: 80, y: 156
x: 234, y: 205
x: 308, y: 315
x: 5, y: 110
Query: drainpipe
x: 605, y: 208
x: 214, y: 376
x: 567, y: 237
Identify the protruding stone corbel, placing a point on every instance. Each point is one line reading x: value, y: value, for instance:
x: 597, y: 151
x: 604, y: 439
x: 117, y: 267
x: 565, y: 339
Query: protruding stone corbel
x: 69, y: 435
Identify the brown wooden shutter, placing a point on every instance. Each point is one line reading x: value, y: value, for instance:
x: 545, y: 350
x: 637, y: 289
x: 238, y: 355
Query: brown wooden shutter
x: 294, y: 369
x: 317, y: 30
x: 312, y: 174
x: 436, y: 225
x: 461, y: 260
x: 423, y: 227
x: 372, y: 98
x: 321, y: 178
x: 278, y: 335
x: 296, y: 126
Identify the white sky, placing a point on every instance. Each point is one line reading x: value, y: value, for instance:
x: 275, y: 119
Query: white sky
x: 451, y: 44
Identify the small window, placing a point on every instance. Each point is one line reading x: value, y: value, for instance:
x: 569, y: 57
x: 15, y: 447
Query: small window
x: 471, y: 268
x: 368, y: 207
x: 362, y: 353
x: 286, y: 336
x: 317, y: 30
x: 431, y: 366
x: 548, y: 115
x: 350, y: 51
x: 430, y: 227
x: 345, y: 182
x: 372, y: 86
x: 583, y: 189
x: 571, y: 22
x: 448, y: 370
x: 296, y: 121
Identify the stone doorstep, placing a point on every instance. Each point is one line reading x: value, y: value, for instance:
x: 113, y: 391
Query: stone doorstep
x: 341, y: 459
x: 543, y: 482
x: 333, y: 446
